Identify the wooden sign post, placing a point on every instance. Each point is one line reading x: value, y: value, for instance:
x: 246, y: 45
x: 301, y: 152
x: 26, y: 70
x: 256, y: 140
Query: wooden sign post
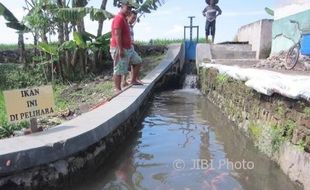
x: 29, y: 104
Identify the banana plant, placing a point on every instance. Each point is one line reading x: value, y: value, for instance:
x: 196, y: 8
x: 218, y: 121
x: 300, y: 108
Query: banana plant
x: 51, y: 49
x: 77, y: 13
x: 40, y: 17
x: 142, y: 6
x: 86, y: 40
x: 269, y: 11
x: 101, y: 43
x: 12, y: 22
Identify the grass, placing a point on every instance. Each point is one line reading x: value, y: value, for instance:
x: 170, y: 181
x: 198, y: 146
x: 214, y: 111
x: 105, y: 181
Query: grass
x: 221, y: 78
x: 282, y: 133
x: 166, y: 41
x: 14, y: 76
x: 4, y: 47
x: 7, y: 129
x: 149, y: 63
x: 88, y: 92
x: 255, y: 130
x: 307, y: 111
x: 2, y: 109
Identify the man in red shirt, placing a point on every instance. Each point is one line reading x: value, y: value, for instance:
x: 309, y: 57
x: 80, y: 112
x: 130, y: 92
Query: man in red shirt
x: 120, y: 44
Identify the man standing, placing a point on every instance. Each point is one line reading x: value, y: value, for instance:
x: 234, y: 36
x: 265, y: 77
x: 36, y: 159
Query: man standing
x: 120, y: 44
x: 135, y: 60
x: 211, y: 12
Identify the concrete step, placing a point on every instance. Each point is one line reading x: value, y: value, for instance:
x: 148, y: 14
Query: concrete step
x: 238, y: 62
x: 232, y: 47
x: 224, y: 54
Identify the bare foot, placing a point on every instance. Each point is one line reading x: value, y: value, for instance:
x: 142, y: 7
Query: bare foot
x: 117, y: 91
x: 140, y: 81
x: 125, y: 84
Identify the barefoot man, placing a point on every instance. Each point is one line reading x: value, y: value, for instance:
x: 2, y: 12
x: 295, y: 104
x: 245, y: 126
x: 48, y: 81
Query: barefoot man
x: 120, y: 44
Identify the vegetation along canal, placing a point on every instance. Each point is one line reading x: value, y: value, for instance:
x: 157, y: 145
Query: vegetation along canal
x: 184, y: 142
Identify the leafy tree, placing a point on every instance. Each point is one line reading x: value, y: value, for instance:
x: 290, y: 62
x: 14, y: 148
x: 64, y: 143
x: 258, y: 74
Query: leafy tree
x: 62, y: 17
x: 12, y: 22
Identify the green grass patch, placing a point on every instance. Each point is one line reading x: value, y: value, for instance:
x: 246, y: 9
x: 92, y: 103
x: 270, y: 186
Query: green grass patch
x: 301, y: 145
x: 149, y: 63
x: 90, y: 93
x: 60, y: 103
x: 5, y: 47
x: 277, y: 135
x: 7, y: 129
x: 255, y: 130
x: 307, y: 111
x: 282, y: 133
x: 280, y: 110
x: 221, y: 78
x: 13, y: 76
x: 2, y: 109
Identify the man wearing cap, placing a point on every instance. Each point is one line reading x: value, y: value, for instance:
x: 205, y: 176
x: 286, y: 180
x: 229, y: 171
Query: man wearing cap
x: 120, y: 44
x: 211, y: 12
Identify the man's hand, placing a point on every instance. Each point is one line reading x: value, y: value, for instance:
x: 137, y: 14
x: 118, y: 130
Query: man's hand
x: 118, y: 36
x: 121, y: 53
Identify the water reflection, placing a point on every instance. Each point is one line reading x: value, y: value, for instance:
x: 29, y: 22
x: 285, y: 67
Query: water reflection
x: 182, y: 126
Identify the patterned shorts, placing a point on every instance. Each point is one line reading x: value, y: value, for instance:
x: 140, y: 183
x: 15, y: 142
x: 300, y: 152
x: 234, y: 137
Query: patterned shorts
x: 134, y: 57
x: 120, y: 63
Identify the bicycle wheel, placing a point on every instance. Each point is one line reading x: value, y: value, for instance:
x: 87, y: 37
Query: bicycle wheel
x: 292, y: 57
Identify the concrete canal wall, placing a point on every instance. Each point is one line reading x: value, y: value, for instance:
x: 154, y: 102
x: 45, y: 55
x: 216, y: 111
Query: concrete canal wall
x: 279, y: 126
x: 48, y: 158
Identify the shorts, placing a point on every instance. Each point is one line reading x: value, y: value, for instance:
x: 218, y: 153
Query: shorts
x: 210, y: 28
x: 134, y: 57
x: 120, y: 64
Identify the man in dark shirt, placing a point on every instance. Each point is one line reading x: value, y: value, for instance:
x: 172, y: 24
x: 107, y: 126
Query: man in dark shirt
x: 211, y: 12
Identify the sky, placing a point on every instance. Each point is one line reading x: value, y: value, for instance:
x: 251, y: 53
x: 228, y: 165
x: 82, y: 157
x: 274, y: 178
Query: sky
x: 168, y: 21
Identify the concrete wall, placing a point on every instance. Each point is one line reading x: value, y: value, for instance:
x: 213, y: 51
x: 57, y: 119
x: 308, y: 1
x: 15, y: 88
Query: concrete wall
x: 285, y: 34
x: 258, y: 34
x: 42, y: 159
x: 263, y: 119
x: 203, y: 54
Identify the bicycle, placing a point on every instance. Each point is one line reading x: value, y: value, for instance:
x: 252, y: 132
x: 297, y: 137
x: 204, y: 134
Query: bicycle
x: 298, y: 48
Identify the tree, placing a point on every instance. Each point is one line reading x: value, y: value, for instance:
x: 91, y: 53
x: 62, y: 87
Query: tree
x: 62, y: 17
x: 40, y: 17
x: 12, y: 22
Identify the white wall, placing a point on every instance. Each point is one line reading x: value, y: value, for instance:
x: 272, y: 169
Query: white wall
x: 259, y: 35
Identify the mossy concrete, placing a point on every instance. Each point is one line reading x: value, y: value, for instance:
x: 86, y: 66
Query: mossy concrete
x: 275, y: 123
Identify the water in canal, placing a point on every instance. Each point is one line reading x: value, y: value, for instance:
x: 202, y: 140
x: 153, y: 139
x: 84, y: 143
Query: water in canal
x: 186, y: 143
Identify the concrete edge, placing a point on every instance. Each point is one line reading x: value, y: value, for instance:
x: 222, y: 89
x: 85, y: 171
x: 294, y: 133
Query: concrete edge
x: 203, y: 54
